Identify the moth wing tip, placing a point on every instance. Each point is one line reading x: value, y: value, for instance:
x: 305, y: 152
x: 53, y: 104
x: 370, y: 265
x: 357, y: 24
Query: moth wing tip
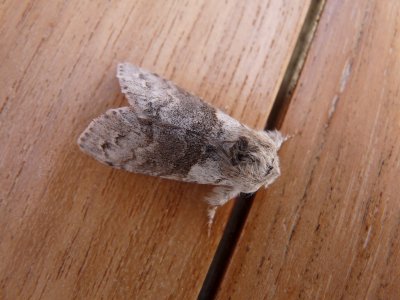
x: 84, y: 138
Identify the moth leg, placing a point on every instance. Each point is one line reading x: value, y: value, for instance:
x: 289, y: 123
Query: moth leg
x: 218, y: 197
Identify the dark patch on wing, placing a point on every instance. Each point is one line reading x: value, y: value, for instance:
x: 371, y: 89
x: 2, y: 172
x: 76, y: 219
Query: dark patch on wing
x: 118, y: 138
x: 105, y: 146
x: 192, y: 155
x: 176, y: 150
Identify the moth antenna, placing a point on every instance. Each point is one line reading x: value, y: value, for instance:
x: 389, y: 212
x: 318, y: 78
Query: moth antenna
x: 277, y: 137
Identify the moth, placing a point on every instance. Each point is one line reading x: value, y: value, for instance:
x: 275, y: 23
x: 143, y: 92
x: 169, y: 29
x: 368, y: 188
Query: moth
x: 168, y: 132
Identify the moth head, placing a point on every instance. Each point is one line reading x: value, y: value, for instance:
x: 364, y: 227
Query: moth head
x: 256, y: 158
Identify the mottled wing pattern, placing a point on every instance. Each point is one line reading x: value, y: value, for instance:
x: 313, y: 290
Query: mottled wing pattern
x: 162, y: 100
x: 122, y: 139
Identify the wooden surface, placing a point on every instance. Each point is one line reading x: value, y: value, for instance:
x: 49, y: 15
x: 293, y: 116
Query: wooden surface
x: 73, y: 228
x: 329, y: 228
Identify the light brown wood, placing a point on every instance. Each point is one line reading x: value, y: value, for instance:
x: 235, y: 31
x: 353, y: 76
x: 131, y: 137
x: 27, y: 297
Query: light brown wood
x: 73, y: 228
x: 329, y: 228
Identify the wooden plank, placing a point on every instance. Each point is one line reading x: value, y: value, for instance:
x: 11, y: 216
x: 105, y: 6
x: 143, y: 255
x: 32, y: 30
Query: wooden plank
x: 330, y: 226
x: 71, y: 227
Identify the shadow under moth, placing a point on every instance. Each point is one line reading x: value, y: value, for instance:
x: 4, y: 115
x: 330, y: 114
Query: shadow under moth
x: 170, y: 133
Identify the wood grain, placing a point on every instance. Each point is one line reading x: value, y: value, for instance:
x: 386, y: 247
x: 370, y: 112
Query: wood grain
x: 329, y: 228
x: 73, y: 228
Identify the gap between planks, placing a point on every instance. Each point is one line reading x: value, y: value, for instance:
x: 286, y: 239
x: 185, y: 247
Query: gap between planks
x: 244, y: 202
